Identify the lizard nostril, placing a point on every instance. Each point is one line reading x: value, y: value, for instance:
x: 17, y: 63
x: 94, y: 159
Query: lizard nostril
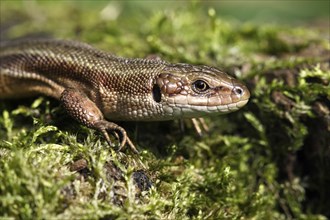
x: 238, y: 91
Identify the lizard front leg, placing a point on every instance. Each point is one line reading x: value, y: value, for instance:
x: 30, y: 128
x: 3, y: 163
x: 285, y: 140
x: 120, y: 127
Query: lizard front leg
x: 84, y: 110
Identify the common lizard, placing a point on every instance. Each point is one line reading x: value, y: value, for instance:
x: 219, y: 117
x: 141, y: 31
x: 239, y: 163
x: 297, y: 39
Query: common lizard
x: 93, y: 85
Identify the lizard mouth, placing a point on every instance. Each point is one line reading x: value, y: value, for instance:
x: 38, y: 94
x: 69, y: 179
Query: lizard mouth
x: 240, y: 104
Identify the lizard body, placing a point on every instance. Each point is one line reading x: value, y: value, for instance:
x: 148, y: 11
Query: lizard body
x: 93, y: 85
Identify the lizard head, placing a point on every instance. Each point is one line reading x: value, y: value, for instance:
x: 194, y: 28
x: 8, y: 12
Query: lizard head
x: 193, y: 91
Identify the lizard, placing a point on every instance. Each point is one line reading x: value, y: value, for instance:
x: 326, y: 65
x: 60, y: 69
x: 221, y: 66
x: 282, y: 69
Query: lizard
x: 97, y: 87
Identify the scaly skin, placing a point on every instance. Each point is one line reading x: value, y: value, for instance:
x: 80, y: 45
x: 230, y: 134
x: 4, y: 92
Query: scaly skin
x: 92, y: 84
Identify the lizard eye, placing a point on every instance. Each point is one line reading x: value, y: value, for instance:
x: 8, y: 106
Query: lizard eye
x: 200, y: 86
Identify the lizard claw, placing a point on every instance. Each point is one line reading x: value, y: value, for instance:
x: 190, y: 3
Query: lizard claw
x: 119, y: 133
x: 130, y: 144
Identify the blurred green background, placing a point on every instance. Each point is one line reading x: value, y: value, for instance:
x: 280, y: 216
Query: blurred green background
x: 262, y: 11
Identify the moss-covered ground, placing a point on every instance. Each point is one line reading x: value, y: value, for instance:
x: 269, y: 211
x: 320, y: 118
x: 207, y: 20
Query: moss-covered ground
x: 270, y: 160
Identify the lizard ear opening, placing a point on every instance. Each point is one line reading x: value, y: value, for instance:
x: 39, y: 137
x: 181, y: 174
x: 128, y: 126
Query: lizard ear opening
x: 156, y: 95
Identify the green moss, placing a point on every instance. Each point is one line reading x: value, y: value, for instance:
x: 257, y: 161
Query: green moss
x: 266, y: 161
